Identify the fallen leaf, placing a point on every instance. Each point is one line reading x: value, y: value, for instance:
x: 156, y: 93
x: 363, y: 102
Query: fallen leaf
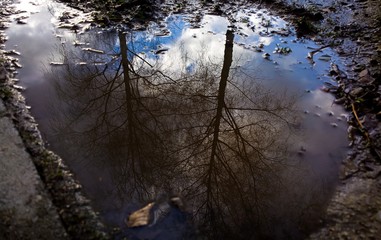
x: 140, y: 217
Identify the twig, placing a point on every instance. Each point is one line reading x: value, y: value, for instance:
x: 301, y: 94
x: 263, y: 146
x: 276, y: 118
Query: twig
x: 366, y: 134
x: 311, y: 54
x: 356, y: 116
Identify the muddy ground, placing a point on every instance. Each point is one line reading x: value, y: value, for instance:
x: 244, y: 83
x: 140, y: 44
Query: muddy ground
x: 351, y: 27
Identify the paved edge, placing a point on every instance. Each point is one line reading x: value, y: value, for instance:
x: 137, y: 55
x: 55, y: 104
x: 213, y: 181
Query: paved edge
x: 26, y: 210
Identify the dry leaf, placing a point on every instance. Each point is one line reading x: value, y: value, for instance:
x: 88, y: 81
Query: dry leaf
x: 140, y: 217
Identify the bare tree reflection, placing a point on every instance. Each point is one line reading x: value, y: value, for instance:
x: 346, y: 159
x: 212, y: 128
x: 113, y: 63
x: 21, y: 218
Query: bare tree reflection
x: 213, y: 136
x: 113, y: 119
x: 232, y: 152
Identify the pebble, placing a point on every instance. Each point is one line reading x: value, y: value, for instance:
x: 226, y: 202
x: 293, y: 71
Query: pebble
x: 364, y: 76
x: 39, y: 198
x: 359, y: 67
x: 356, y: 91
x: 20, y: 21
x: 266, y: 55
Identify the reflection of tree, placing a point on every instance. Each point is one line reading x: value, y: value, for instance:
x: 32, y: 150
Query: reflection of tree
x: 216, y: 139
x: 112, y: 117
x: 233, y: 156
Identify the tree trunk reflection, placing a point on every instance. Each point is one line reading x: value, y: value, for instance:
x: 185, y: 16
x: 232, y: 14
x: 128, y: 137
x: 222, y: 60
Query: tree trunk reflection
x: 213, y: 137
x: 212, y: 200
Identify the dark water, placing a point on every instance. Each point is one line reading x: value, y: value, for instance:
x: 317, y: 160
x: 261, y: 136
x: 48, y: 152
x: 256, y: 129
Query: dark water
x: 250, y: 145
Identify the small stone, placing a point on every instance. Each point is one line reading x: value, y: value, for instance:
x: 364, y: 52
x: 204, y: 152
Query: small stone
x: 19, y: 88
x: 364, y: 76
x: 359, y: 68
x: 16, y: 64
x: 340, y: 100
x: 356, y: 92
x: 266, y: 55
x: 38, y: 198
x: 334, y: 71
x: 21, y: 21
x: 12, y: 52
x: 363, y: 73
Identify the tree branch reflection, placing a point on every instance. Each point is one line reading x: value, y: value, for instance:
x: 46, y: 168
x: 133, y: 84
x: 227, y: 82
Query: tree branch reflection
x: 215, y: 137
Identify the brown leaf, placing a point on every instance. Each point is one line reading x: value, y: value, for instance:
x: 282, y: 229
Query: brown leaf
x: 140, y: 217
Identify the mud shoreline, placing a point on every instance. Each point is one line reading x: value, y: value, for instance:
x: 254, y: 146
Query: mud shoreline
x: 355, y: 209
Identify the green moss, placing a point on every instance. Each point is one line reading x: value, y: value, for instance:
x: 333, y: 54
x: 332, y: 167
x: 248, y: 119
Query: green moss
x: 5, y: 93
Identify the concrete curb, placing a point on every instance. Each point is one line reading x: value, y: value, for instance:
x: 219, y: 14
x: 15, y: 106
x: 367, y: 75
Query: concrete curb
x: 26, y: 210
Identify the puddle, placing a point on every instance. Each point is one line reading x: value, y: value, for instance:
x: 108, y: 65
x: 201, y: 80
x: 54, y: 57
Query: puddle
x: 223, y: 126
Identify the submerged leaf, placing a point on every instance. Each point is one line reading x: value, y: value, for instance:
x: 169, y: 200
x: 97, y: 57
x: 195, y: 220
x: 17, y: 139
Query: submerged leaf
x: 140, y: 217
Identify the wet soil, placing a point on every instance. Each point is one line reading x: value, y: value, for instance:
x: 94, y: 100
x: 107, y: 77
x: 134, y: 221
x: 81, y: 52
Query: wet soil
x: 354, y: 29
x: 355, y: 210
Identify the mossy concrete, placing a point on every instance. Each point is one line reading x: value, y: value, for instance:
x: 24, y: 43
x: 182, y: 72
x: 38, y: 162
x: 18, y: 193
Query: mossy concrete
x: 26, y: 211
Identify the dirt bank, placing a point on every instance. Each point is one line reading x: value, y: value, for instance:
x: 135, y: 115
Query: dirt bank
x: 353, y: 28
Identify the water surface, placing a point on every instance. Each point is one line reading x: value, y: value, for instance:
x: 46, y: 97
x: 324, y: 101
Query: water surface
x: 248, y: 142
